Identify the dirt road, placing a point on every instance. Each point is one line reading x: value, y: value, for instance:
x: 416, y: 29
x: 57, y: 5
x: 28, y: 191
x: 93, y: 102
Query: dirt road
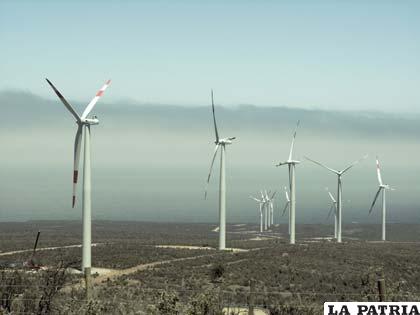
x: 43, y: 248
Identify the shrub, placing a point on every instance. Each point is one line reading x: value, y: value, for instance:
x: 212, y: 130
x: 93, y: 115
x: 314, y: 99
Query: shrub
x: 205, y: 303
x: 217, y: 271
x: 167, y: 304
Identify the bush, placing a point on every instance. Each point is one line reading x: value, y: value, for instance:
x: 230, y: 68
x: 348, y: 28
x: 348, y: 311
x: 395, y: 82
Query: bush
x: 23, y: 292
x: 11, y: 288
x: 217, y: 272
x: 205, y: 303
x: 167, y: 304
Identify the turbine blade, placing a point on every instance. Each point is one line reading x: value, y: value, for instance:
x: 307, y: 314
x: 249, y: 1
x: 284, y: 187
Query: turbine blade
x: 286, y: 193
x: 92, y: 103
x: 214, y: 117
x: 77, y: 145
x: 378, y: 171
x: 64, y: 101
x: 330, y: 212
x: 353, y: 164
x: 274, y: 193
x: 293, y: 141
x: 252, y: 197
x: 211, y: 168
x: 332, y: 197
x: 285, y: 208
x: 374, y: 200
x: 322, y: 165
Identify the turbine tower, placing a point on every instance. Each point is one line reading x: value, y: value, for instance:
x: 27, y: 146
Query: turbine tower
x: 382, y: 187
x: 270, y: 206
x: 267, y: 205
x: 287, y: 206
x: 265, y: 210
x: 260, y: 204
x: 220, y: 144
x: 83, y: 127
x: 339, y: 190
x: 292, y: 204
x: 333, y: 208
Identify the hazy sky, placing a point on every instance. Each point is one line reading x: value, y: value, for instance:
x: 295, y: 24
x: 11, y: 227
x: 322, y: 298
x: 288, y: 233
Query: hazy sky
x: 324, y: 54
x: 335, y: 55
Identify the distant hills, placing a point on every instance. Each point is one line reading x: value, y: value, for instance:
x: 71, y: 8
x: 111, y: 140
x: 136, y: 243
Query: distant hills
x: 31, y: 109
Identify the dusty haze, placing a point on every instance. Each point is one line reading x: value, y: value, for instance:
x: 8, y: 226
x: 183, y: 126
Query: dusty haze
x: 150, y: 162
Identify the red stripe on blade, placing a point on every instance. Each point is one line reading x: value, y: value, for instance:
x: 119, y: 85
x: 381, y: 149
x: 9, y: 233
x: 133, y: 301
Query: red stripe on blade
x: 74, y: 201
x: 75, y: 175
x: 100, y: 93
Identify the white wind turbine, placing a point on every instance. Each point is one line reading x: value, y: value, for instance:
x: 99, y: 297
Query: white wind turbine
x: 267, y: 208
x: 339, y: 190
x: 83, y: 127
x: 382, y: 187
x: 265, y: 211
x: 220, y: 143
x: 270, y: 201
x: 287, y: 206
x: 333, y: 208
x: 292, y: 204
x: 260, y: 204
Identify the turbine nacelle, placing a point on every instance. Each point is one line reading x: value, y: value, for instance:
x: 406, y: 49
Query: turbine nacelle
x: 339, y: 173
x: 224, y: 141
x: 387, y: 187
x: 91, y: 121
x: 288, y: 162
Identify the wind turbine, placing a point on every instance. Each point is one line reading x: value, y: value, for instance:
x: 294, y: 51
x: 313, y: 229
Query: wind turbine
x: 265, y: 210
x: 333, y: 208
x: 83, y: 127
x: 267, y: 205
x: 339, y: 189
x: 292, y: 204
x: 260, y: 203
x: 287, y: 206
x: 270, y: 206
x: 382, y: 187
x: 220, y: 143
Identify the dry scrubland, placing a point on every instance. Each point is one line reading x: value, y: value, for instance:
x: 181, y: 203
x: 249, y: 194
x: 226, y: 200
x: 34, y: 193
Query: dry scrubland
x: 288, y: 279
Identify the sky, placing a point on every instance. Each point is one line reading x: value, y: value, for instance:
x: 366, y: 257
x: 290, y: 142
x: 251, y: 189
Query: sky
x: 328, y: 54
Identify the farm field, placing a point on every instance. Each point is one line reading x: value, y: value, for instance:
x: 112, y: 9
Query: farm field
x: 151, y: 270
